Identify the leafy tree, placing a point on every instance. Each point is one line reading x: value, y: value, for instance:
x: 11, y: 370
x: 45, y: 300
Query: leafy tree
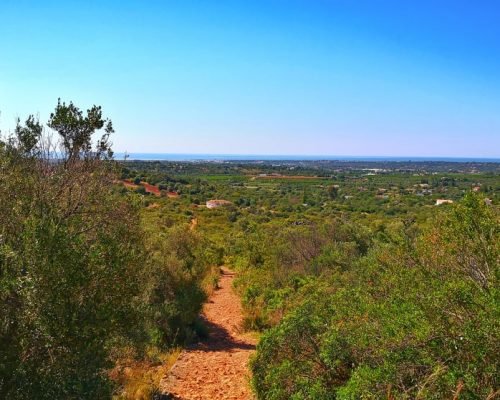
x: 76, y: 131
x: 70, y: 252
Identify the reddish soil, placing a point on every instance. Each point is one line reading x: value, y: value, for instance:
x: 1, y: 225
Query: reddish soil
x: 151, y: 188
x: 128, y: 184
x: 216, y: 368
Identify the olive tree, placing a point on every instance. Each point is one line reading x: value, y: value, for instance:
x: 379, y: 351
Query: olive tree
x: 70, y: 254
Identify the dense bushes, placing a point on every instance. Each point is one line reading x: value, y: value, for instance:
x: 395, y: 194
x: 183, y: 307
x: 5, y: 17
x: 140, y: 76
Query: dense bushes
x: 276, y: 263
x: 80, y: 282
x: 417, y: 318
x: 382, y: 308
x: 69, y: 260
x: 174, y: 284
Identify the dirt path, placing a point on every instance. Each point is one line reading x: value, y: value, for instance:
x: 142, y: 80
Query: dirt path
x: 216, y: 368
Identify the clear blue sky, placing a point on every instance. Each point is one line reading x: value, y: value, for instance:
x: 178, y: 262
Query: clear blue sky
x: 388, y: 78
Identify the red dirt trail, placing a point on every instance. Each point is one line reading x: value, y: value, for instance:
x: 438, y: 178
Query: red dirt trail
x: 216, y: 368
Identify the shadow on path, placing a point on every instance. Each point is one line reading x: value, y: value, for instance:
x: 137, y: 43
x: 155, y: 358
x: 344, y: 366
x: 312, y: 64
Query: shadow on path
x: 215, y: 367
x: 219, y: 339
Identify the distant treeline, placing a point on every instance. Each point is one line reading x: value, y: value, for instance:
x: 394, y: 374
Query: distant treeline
x: 361, y: 284
x: 323, y: 167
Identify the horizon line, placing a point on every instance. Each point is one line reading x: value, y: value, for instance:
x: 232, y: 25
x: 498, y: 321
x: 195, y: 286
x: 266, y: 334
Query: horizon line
x: 317, y: 157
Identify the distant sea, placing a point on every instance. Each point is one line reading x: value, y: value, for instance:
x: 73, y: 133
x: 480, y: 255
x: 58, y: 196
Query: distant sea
x: 267, y: 157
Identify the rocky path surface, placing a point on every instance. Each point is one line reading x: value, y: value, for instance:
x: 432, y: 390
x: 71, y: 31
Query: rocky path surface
x: 216, y: 368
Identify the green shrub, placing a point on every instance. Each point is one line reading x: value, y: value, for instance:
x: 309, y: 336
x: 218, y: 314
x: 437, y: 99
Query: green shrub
x: 70, y: 252
x: 417, y: 319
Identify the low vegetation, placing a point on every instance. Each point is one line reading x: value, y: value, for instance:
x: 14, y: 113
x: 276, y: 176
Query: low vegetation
x: 359, y: 284
x: 415, y: 316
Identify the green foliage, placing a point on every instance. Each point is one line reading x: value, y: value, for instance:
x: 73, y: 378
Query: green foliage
x: 172, y: 283
x: 416, y: 321
x: 359, y: 282
x: 76, y: 130
x: 275, y: 267
x: 69, y: 256
x: 81, y: 280
x: 362, y: 287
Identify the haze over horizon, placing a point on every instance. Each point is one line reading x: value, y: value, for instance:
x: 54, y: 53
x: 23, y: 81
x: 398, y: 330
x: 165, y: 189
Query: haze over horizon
x: 289, y: 157
x: 276, y: 77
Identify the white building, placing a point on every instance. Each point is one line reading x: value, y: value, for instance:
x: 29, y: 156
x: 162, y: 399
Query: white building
x: 443, y: 201
x: 217, y: 203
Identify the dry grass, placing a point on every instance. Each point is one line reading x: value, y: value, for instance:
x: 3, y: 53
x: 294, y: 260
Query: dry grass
x: 211, y: 280
x: 140, y: 380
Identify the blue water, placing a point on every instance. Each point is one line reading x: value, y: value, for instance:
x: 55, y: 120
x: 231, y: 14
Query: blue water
x: 267, y: 157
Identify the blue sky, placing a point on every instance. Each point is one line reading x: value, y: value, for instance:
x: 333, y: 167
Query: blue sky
x: 386, y: 78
